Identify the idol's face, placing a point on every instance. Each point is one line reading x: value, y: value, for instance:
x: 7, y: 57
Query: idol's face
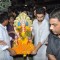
x: 55, y: 25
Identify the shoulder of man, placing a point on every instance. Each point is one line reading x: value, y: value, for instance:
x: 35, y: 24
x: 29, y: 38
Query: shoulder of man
x: 35, y: 21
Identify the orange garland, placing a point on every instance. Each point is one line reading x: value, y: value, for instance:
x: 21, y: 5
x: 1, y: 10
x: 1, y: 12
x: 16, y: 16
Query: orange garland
x: 23, y: 46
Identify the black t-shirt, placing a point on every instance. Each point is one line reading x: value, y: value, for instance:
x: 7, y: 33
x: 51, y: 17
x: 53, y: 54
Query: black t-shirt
x: 54, y: 46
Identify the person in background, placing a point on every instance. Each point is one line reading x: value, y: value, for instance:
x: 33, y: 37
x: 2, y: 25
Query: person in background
x: 5, y: 47
x: 53, y: 49
x: 10, y: 28
x: 46, y: 14
x: 34, y: 13
x: 13, y: 11
x: 40, y: 34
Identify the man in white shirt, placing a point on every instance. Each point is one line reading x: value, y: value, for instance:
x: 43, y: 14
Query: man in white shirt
x: 40, y: 34
x: 5, y: 48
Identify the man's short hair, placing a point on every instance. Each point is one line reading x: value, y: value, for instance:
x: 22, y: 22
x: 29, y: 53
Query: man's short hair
x: 4, y: 16
x: 55, y: 13
x: 40, y: 10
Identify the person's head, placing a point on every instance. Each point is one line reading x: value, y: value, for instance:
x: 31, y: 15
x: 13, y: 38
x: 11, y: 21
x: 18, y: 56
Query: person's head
x: 4, y: 18
x: 35, y: 12
x: 40, y: 14
x: 11, y: 19
x: 55, y: 21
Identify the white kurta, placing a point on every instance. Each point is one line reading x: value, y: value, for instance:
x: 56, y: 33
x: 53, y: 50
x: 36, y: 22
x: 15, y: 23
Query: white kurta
x: 41, y: 33
x: 4, y: 54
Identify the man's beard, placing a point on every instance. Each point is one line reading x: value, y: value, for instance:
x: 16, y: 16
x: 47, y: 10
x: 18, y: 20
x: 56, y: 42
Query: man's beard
x: 40, y: 20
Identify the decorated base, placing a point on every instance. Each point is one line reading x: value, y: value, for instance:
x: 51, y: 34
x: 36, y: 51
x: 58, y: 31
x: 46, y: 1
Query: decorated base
x: 23, y: 47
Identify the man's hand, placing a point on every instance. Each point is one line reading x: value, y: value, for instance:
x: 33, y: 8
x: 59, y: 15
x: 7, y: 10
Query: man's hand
x: 12, y: 52
x: 34, y: 52
x: 2, y: 43
x: 11, y: 32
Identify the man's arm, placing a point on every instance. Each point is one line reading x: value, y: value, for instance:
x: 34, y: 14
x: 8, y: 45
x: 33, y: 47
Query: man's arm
x: 11, y: 32
x: 12, y: 52
x: 51, y: 57
x: 2, y: 42
x: 37, y: 48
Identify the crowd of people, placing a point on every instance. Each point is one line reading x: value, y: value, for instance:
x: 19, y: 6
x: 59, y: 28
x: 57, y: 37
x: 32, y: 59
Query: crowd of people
x: 45, y: 34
